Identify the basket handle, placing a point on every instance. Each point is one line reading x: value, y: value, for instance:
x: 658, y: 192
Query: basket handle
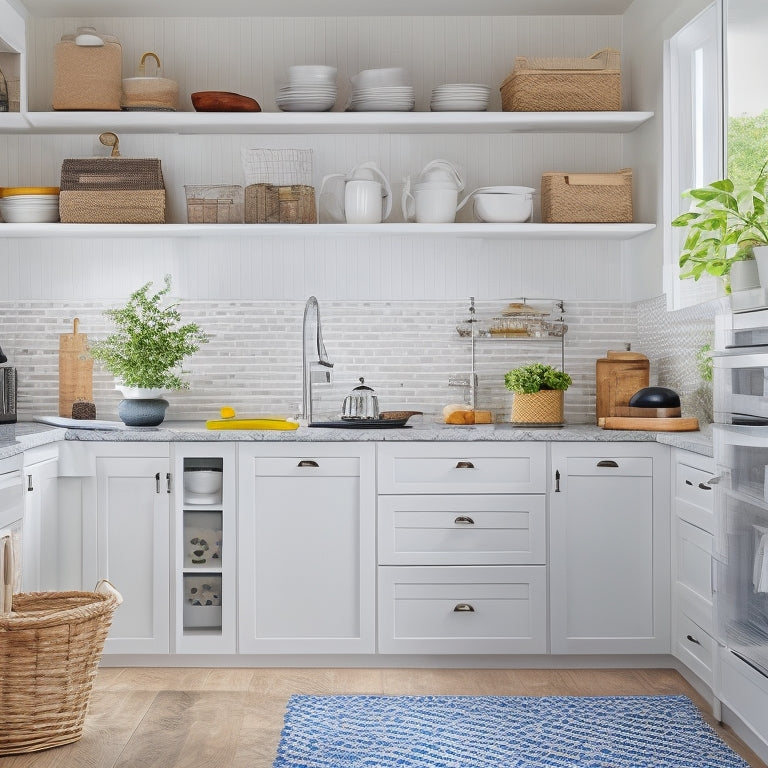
x: 144, y: 58
x: 105, y: 587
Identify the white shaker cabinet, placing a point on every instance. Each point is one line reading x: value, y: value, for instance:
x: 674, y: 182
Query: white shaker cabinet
x: 12, y: 510
x: 609, y: 548
x: 130, y: 516
x: 41, y: 519
x: 462, y: 548
x: 306, y: 548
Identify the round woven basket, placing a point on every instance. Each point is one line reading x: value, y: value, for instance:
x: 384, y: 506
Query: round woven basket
x: 543, y: 407
x: 50, y: 646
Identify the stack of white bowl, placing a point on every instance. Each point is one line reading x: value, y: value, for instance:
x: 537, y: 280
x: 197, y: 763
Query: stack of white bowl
x: 310, y: 88
x: 460, y: 97
x: 382, y: 90
x: 29, y: 204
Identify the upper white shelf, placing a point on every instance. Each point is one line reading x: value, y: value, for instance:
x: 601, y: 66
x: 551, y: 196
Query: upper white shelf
x: 529, y: 231
x: 323, y: 122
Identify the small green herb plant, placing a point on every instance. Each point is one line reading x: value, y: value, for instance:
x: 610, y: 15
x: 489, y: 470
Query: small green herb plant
x: 725, y: 222
x: 149, y: 343
x: 534, y: 377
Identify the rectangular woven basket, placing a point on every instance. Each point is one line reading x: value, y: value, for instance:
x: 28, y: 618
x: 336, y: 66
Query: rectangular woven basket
x: 50, y: 646
x: 564, y: 84
x: 582, y: 198
x: 112, y: 190
x: 270, y: 204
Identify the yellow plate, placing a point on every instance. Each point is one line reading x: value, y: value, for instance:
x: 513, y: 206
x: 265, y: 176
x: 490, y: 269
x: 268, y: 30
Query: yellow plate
x: 11, y: 191
x: 251, y: 424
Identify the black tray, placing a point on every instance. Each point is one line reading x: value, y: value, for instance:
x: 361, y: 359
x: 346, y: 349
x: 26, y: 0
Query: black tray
x: 361, y: 424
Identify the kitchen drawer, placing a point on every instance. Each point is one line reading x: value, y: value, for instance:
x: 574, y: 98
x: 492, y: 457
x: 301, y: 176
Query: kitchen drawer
x: 462, y: 530
x: 695, y: 648
x: 306, y: 464
x: 463, y: 609
x: 693, y: 572
x: 462, y: 467
x: 694, y: 494
x: 598, y: 465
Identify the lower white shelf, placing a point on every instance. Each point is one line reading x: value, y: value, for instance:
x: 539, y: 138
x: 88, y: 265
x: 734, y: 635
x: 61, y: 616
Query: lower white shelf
x: 526, y: 231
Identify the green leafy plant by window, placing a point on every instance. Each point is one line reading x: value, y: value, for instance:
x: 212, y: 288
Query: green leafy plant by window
x: 149, y: 343
x: 725, y: 222
x: 704, y: 362
x: 533, y: 377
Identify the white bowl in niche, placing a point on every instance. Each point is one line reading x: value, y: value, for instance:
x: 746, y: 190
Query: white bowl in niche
x: 202, y: 480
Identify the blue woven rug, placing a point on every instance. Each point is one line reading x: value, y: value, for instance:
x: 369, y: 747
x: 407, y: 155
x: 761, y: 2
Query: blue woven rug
x: 499, y: 732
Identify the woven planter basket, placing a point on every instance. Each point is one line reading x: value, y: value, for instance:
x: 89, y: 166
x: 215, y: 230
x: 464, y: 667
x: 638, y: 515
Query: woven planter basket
x: 543, y: 407
x: 50, y: 646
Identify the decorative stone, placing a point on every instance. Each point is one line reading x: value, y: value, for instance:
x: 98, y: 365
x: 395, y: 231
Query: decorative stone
x: 142, y: 413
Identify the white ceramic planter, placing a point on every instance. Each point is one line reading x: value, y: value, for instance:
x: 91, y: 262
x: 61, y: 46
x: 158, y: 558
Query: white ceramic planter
x: 141, y: 393
x: 761, y: 258
x: 744, y: 275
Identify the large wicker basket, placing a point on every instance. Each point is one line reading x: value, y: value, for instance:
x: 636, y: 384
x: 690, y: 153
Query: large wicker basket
x: 50, y: 646
x: 563, y: 84
x: 583, y: 198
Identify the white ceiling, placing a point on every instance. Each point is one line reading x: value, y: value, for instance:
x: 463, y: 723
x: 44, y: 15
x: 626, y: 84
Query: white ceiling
x: 207, y: 8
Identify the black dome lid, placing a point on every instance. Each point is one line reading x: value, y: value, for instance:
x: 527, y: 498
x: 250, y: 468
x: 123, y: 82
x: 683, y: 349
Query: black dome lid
x: 655, y: 397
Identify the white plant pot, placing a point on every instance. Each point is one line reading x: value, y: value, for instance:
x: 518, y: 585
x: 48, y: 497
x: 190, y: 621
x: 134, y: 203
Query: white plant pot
x: 744, y: 275
x: 141, y: 393
x: 761, y: 258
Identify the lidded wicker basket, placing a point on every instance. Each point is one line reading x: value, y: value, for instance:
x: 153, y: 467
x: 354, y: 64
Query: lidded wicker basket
x: 50, y: 644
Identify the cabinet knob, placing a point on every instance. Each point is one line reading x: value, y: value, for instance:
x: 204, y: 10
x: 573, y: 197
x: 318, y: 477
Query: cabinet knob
x: 692, y: 639
x: 463, y: 608
x: 308, y: 463
x: 464, y: 520
x: 705, y: 487
x: 688, y: 482
x: 465, y: 465
x: 607, y: 463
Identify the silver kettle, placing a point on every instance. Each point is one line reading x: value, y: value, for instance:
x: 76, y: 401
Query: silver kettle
x: 361, y: 403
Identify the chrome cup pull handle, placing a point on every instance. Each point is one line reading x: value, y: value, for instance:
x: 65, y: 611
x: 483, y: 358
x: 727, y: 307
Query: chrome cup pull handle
x: 308, y: 463
x: 465, y: 465
x: 464, y: 520
x: 607, y: 463
x: 463, y: 608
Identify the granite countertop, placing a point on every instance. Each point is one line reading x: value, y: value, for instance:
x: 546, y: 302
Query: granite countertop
x: 31, y: 434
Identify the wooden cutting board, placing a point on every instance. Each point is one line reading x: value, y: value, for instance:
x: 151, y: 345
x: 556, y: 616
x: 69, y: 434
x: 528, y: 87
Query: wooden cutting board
x: 618, y: 376
x: 75, y: 370
x: 678, y: 424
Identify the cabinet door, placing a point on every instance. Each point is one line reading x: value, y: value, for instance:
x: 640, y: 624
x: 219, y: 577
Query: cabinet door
x: 609, y: 549
x: 306, y: 549
x: 133, y: 530
x: 11, y: 512
x: 41, y: 522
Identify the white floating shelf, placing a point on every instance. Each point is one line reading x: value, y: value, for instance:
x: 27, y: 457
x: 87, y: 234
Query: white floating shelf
x: 480, y: 231
x: 327, y: 122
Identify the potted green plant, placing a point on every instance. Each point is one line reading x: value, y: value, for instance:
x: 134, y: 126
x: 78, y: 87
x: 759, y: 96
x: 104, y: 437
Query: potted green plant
x: 727, y: 226
x: 538, y: 392
x: 146, y: 350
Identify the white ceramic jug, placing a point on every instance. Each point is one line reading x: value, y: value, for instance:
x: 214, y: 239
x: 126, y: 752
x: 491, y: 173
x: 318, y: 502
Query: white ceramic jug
x: 367, y: 195
x: 434, y: 197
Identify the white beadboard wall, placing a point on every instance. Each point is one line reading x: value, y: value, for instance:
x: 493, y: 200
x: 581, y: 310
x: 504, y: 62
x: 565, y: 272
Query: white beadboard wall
x: 406, y: 350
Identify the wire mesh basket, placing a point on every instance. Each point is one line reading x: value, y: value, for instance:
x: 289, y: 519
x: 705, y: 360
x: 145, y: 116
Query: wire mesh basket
x: 278, y: 167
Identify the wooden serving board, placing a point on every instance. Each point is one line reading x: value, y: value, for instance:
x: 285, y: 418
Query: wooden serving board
x: 678, y: 424
x: 75, y: 370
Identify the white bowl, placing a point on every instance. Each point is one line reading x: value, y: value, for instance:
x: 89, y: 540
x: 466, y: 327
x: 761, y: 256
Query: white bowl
x: 314, y: 73
x: 29, y: 212
x: 202, y: 480
x: 495, y: 207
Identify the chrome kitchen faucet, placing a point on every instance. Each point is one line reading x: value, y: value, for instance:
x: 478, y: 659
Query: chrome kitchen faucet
x: 317, y: 371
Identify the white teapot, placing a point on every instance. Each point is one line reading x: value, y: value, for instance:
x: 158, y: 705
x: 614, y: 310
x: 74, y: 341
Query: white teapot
x: 435, y: 195
x: 367, y: 197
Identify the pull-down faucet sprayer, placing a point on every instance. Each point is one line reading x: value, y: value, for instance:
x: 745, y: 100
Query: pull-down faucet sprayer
x: 313, y: 370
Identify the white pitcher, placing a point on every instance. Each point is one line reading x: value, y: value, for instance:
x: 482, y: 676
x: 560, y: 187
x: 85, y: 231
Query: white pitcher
x: 367, y: 195
x: 434, y: 197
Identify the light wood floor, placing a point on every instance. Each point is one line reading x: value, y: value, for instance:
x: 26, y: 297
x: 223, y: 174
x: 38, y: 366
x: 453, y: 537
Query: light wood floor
x: 231, y: 718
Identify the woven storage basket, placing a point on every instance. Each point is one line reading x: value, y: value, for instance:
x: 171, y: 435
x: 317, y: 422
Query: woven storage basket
x: 214, y: 203
x: 543, y: 407
x: 112, y: 190
x: 564, y: 85
x: 270, y: 204
x: 50, y: 646
x: 581, y: 198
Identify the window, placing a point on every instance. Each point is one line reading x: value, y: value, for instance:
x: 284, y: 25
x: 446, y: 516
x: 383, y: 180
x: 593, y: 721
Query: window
x: 693, y: 139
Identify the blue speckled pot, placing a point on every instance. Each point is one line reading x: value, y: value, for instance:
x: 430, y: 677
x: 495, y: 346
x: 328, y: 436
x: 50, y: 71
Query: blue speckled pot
x: 142, y: 413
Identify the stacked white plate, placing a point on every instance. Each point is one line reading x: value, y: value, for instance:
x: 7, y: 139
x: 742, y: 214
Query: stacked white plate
x: 460, y: 97
x: 382, y: 90
x: 310, y: 88
x: 29, y: 204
